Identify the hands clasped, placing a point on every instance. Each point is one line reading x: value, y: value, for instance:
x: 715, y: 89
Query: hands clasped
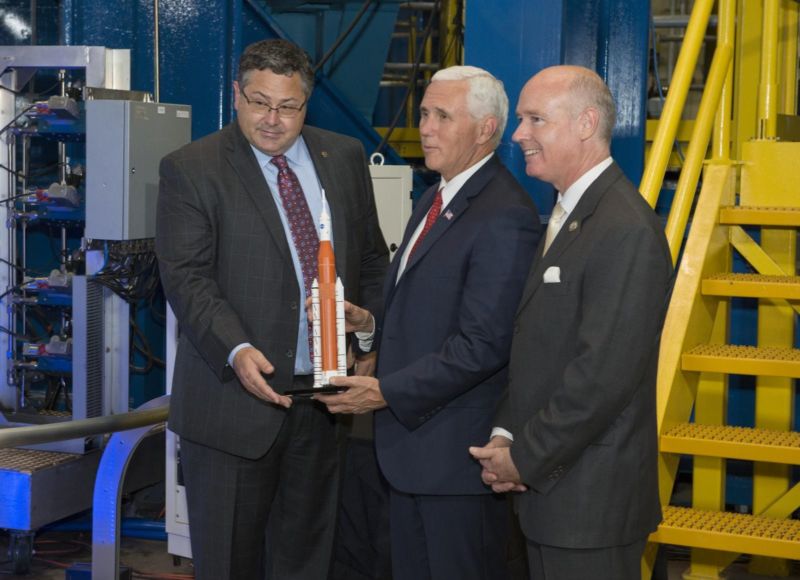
x: 499, y: 471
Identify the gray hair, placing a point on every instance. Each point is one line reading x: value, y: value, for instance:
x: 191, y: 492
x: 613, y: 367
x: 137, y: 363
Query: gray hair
x: 589, y: 90
x: 281, y: 57
x: 486, y: 95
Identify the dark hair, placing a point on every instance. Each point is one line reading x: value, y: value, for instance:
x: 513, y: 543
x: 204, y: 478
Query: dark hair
x: 281, y: 57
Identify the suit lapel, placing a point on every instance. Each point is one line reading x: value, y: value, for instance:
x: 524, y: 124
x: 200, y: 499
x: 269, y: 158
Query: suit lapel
x: 243, y: 161
x: 457, y: 206
x: 569, y: 232
x: 323, y: 159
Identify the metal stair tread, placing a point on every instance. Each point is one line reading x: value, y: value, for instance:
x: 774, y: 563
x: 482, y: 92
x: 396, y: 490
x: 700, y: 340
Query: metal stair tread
x: 760, y: 215
x: 732, y: 442
x: 743, y: 360
x: 752, y: 286
x: 730, y: 532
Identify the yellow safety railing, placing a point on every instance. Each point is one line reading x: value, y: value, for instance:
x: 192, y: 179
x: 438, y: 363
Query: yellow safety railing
x: 653, y: 176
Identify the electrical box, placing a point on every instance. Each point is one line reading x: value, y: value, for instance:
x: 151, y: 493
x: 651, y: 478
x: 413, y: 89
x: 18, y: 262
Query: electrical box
x: 124, y: 146
x: 392, y: 185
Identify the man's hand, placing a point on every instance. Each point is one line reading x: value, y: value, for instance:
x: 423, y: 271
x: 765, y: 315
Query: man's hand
x: 356, y: 319
x: 499, y: 470
x: 362, y: 396
x: 248, y: 364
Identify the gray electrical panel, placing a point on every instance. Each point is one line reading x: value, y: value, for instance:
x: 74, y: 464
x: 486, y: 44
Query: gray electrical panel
x: 125, y: 141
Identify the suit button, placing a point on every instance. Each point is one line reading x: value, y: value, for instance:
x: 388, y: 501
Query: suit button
x: 293, y: 306
x: 289, y: 353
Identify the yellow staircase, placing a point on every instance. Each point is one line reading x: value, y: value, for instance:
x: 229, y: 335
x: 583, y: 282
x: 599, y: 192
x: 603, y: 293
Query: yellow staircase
x: 748, y: 205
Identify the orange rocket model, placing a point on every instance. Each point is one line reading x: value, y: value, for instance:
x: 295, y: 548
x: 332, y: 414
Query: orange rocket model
x: 327, y: 302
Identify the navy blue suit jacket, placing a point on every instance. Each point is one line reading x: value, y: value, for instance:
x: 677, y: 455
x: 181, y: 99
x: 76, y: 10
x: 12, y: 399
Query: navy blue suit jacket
x: 446, y: 330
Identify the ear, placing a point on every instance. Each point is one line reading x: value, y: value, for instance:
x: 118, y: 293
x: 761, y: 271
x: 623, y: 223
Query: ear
x: 588, y: 122
x: 488, y: 127
x: 236, y: 96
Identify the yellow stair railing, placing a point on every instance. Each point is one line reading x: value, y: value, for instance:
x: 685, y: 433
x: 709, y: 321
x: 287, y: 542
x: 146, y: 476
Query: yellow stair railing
x: 695, y: 357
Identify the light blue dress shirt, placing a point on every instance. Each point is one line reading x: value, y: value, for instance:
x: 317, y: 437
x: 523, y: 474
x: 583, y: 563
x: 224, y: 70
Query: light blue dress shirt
x: 300, y: 162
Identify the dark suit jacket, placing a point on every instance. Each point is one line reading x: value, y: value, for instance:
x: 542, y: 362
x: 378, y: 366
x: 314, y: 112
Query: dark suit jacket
x: 228, y: 274
x: 446, y: 333
x: 582, y: 388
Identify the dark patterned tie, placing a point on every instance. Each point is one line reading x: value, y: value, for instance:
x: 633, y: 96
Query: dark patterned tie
x: 433, y: 213
x: 301, y: 224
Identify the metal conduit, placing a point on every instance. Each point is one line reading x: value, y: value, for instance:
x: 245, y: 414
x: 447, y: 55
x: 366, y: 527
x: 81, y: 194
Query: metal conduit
x: 36, y: 434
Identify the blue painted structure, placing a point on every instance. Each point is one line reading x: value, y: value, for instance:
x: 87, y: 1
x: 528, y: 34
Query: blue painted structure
x: 609, y: 36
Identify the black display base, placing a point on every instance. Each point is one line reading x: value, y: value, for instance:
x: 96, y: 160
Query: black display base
x: 323, y: 390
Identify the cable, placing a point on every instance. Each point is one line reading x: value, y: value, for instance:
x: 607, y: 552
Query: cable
x: 412, y: 82
x: 342, y: 36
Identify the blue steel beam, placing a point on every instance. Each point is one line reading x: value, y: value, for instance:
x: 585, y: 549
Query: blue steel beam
x: 609, y: 36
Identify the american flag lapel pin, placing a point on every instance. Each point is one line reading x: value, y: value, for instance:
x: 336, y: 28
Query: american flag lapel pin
x: 448, y: 215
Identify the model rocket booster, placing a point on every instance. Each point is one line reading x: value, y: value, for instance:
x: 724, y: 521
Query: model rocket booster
x: 327, y: 304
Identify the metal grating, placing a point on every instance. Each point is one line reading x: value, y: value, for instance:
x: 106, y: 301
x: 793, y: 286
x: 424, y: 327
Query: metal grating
x: 94, y: 349
x: 760, y: 215
x: 29, y: 460
x: 732, y: 442
x: 753, y: 286
x: 743, y: 360
x: 730, y: 532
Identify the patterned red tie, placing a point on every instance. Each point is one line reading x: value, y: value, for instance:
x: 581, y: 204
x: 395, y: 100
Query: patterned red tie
x: 433, y: 213
x: 301, y: 224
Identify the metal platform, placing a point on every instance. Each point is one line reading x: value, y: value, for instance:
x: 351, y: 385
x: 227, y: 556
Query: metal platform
x: 743, y: 360
x: 41, y: 487
x: 730, y: 442
x: 760, y: 215
x: 753, y: 286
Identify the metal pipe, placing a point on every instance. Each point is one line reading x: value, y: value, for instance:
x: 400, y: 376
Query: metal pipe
x: 768, y: 87
x: 36, y: 434
x: 650, y: 185
x: 791, y: 16
x: 698, y: 144
x: 418, y: 5
x: 721, y: 139
x: 409, y: 66
x: 678, y: 21
x: 156, y: 57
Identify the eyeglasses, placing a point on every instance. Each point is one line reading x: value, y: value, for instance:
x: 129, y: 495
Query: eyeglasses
x: 284, y: 111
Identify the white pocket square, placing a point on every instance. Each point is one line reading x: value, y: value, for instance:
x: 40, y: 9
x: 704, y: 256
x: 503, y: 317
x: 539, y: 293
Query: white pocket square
x: 552, y: 275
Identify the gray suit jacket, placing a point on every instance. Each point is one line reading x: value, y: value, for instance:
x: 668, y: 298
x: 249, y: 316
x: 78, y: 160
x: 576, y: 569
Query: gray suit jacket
x: 582, y: 392
x: 227, y: 272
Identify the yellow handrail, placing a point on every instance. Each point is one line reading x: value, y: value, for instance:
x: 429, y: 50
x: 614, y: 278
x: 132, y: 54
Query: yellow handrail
x: 698, y: 145
x: 721, y: 136
x: 653, y: 177
x: 768, y: 89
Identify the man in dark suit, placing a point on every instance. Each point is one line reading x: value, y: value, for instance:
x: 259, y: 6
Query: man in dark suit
x: 444, y: 337
x: 238, y: 217
x: 581, y: 405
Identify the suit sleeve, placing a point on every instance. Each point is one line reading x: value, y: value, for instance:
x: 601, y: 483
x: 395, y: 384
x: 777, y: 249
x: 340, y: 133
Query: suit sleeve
x: 622, y: 306
x: 186, y: 245
x: 498, y: 265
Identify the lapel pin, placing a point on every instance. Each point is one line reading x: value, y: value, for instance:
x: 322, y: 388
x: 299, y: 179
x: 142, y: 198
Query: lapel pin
x: 573, y: 226
x: 448, y: 215
x: 324, y: 153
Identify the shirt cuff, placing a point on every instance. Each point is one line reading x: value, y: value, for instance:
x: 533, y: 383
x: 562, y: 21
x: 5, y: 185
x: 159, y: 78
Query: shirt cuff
x: 365, y: 339
x: 502, y: 433
x: 236, y: 349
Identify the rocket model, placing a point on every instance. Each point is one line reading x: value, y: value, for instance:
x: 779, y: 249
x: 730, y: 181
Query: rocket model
x: 327, y: 303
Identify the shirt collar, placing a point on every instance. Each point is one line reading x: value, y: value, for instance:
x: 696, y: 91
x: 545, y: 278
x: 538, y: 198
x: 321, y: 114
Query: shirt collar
x: 570, y: 198
x: 297, y: 154
x: 452, y: 187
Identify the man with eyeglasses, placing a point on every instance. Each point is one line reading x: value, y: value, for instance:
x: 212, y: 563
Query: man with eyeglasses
x: 237, y: 229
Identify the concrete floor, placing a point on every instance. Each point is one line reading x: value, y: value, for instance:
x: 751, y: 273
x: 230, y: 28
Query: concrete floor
x: 149, y: 559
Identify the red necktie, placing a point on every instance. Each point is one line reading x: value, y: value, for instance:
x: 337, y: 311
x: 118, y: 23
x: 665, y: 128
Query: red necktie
x: 301, y: 224
x: 433, y: 213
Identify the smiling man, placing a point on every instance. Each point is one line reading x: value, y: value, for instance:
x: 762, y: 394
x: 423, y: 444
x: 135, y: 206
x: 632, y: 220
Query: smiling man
x: 578, y: 444
x: 444, y: 337
x: 237, y: 241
